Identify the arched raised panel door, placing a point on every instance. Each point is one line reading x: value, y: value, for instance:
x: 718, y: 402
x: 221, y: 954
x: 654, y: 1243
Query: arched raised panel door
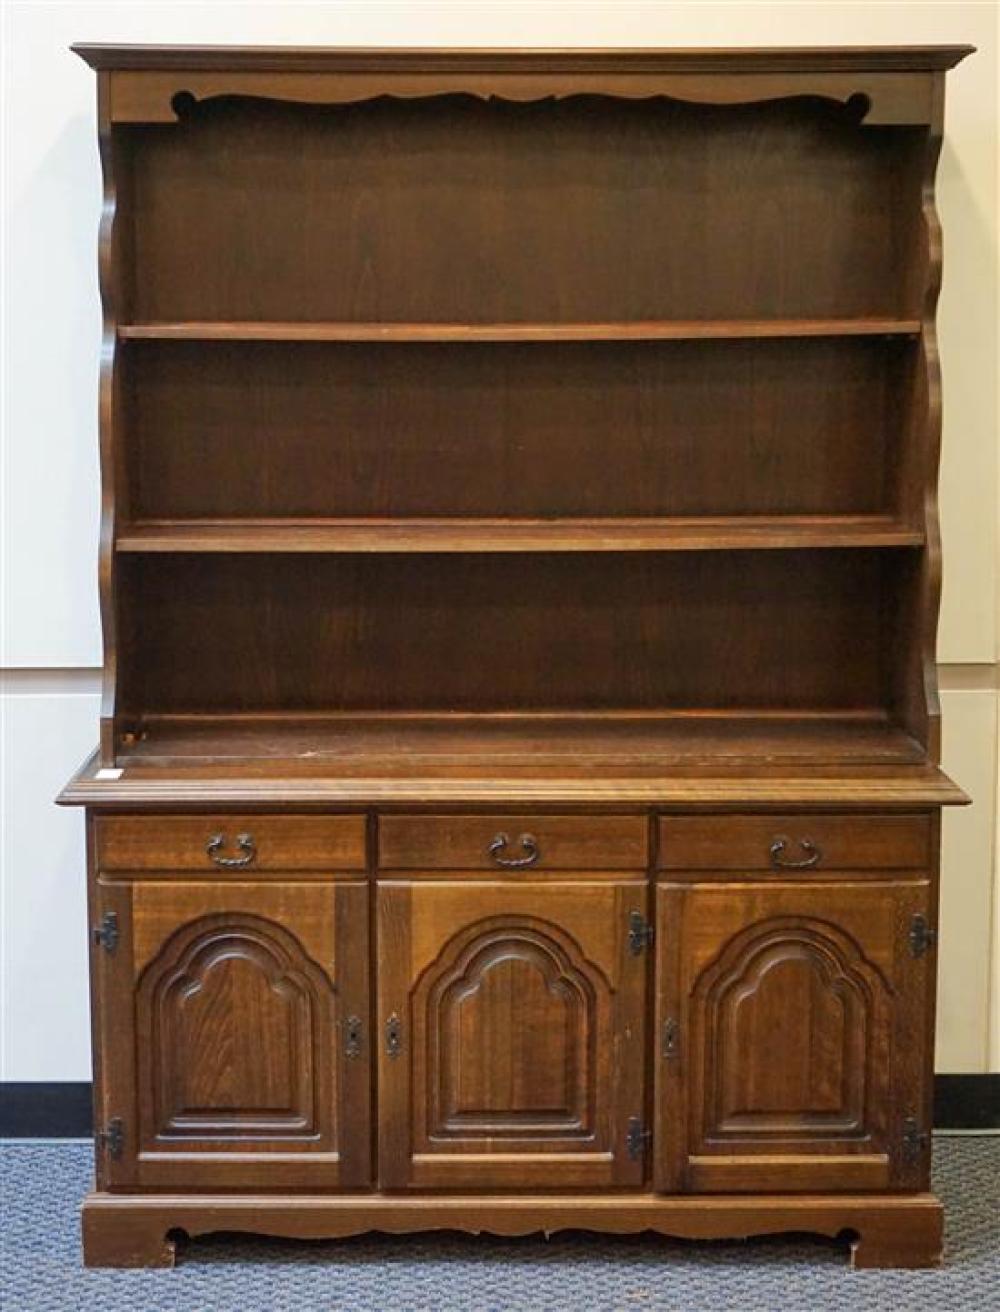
x: 236, y: 1023
x: 792, y: 1055
x: 511, y: 1034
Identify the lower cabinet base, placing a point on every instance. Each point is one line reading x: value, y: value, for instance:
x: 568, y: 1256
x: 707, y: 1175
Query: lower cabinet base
x: 139, y: 1230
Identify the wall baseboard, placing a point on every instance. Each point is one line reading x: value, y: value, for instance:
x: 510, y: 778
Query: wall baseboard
x: 967, y: 1102
x: 63, y: 1111
x: 46, y: 1111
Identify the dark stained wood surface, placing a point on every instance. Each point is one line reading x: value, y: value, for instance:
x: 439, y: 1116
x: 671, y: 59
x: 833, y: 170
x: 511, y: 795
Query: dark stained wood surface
x: 323, y: 536
x: 543, y: 743
x: 556, y: 842
x: 664, y: 211
x: 903, y: 1230
x: 286, y: 783
x: 917, y: 690
x: 386, y: 406
x: 799, y: 1035
x: 879, y: 98
x: 807, y: 59
x: 286, y: 842
x: 695, y: 760
x: 819, y: 842
x: 387, y: 336
x: 711, y: 429
x: 116, y: 273
x: 630, y: 330
x: 521, y: 1017
x: 222, y: 1015
x: 793, y: 631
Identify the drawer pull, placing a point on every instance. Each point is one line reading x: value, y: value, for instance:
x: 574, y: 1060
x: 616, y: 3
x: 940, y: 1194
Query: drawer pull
x: 813, y: 855
x: 532, y: 852
x: 245, y: 844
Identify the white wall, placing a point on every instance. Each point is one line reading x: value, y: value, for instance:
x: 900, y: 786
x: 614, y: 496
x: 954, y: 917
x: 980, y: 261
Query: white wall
x: 50, y: 644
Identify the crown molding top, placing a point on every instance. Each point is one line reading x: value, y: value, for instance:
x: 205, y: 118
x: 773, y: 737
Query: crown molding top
x: 346, y: 59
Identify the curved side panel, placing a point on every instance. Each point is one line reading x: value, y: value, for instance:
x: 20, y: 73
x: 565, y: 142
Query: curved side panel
x: 110, y: 275
x: 930, y: 414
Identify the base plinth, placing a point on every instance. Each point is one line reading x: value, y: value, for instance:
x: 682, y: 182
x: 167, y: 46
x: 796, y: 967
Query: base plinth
x: 138, y: 1230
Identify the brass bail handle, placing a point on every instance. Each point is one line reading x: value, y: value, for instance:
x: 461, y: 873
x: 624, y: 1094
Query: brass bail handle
x: 244, y: 843
x: 529, y: 844
x: 813, y: 854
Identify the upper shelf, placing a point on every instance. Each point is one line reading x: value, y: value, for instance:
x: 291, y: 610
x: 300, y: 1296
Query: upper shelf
x: 648, y: 330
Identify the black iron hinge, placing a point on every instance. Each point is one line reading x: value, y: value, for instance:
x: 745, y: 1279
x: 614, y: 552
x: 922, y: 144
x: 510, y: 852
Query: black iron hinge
x: 915, y: 1141
x: 638, y: 1138
x: 921, y: 935
x: 640, y: 933
x: 106, y: 933
x: 112, y: 1138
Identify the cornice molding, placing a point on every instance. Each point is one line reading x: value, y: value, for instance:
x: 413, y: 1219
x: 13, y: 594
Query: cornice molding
x: 334, y: 59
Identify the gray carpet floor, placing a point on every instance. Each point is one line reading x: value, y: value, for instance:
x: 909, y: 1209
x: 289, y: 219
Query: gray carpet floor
x: 41, y: 1266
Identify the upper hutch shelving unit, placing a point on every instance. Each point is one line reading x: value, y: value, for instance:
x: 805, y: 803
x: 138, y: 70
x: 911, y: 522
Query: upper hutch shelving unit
x: 517, y: 804
x: 389, y: 334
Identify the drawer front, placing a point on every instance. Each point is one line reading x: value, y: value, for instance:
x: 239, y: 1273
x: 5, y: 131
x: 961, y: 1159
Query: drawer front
x: 513, y: 842
x: 223, y: 844
x: 794, y: 843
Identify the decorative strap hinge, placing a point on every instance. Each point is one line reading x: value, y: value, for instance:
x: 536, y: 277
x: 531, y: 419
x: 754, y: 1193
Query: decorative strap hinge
x: 640, y: 933
x: 921, y: 935
x: 112, y: 1138
x: 915, y: 1141
x: 106, y: 933
x: 638, y: 1139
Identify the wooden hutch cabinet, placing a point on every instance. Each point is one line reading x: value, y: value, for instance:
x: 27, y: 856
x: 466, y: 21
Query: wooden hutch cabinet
x: 517, y: 802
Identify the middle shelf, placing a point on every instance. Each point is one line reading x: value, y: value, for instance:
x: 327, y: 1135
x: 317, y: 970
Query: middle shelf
x: 636, y: 330
x: 750, y: 532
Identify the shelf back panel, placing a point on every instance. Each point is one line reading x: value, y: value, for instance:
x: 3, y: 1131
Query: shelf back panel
x: 798, y: 630
x: 586, y: 208
x: 224, y: 430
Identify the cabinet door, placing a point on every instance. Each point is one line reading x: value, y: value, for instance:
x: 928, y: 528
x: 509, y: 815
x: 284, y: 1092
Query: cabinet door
x: 233, y: 1021
x: 792, y: 1027
x: 511, y: 1034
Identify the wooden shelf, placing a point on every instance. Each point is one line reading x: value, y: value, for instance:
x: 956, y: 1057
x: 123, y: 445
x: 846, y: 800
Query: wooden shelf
x: 694, y: 758
x: 643, y: 742
x: 498, y: 535
x: 650, y: 330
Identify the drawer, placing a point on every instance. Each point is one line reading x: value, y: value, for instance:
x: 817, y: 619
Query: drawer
x: 513, y: 842
x: 189, y: 842
x: 794, y: 842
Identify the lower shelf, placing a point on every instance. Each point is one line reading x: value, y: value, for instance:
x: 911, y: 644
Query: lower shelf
x: 885, y: 1230
x: 694, y: 758
x: 646, y: 743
